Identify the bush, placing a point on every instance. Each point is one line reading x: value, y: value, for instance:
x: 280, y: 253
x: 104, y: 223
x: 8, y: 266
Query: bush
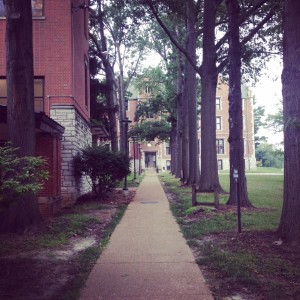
x: 19, y: 175
x: 104, y: 167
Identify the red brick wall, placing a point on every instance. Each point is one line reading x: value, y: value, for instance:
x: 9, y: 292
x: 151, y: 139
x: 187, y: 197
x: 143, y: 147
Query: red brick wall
x: 60, y: 46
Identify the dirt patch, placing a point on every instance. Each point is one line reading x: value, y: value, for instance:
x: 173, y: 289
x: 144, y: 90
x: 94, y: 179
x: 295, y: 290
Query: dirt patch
x: 33, y: 268
x: 274, y: 270
x: 273, y: 267
x: 252, y: 265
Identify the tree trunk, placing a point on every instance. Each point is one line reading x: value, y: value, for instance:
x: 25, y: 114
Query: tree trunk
x: 289, y: 228
x: 19, y: 72
x: 179, y: 133
x: 122, y: 111
x: 209, y: 180
x: 191, y: 94
x: 20, y: 106
x: 110, y: 83
x: 122, y: 114
x: 112, y: 107
x: 185, y: 126
x: 235, y: 108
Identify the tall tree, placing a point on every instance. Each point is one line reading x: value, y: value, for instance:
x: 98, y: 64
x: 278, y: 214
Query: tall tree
x: 289, y: 227
x: 235, y: 139
x: 209, y: 180
x: 99, y: 41
x: 190, y: 93
x: 122, y: 22
x: 20, y: 105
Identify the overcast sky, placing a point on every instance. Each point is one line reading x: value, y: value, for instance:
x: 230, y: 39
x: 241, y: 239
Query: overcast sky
x: 268, y: 94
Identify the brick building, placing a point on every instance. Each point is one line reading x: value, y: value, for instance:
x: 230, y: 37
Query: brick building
x: 61, y: 89
x: 157, y: 155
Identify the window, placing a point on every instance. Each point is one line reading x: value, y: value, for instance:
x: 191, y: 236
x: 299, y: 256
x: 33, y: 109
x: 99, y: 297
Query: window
x: 148, y: 89
x: 37, y: 8
x: 220, y: 146
x: 38, y: 93
x: 220, y: 164
x: 2, y: 9
x: 218, y: 123
x: 168, y: 165
x: 168, y: 149
x: 3, y: 92
x: 218, y: 103
x: 86, y: 83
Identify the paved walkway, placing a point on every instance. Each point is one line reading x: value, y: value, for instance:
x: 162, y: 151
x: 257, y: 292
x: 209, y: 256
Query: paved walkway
x: 147, y: 256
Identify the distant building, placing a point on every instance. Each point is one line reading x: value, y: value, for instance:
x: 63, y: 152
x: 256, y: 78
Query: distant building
x: 157, y: 155
x: 61, y: 89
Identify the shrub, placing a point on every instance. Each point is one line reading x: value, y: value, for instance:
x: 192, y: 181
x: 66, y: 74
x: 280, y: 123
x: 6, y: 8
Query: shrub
x: 103, y: 167
x: 19, y: 175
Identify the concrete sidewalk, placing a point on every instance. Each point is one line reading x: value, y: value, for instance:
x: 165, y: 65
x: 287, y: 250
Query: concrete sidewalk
x: 147, y: 256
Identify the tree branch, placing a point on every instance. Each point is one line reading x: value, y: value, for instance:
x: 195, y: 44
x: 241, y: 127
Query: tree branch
x: 173, y: 40
x: 252, y: 33
x: 242, y: 20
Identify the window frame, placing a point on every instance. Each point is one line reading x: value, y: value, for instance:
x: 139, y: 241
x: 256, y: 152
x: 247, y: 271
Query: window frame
x: 148, y: 89
x: 168, y: 165
x: 35, y: 12
x: 168, y: 149
x: 220, y: 164
x: 219, y: 123
x: 218, y: 103
x: 35, y: 97
x: 220, y: 146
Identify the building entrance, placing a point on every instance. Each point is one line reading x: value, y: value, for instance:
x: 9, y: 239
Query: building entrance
x: 150, y: 159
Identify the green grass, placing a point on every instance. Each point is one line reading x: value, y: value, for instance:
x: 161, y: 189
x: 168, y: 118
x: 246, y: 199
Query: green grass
x: 63, y: 228
x: 265, y: 192
x: 87, y: 258
x: 266, y: 170
x: 235, y: 265
x: 130, y: 181
x: 234, y: 268
x: 258, y: 170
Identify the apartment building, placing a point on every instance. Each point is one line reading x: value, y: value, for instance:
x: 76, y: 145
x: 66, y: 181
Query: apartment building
x: 61, y: 90
x: 153, y: 154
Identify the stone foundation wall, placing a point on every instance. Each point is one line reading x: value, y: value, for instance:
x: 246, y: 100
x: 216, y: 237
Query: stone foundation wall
x: 77, y: 135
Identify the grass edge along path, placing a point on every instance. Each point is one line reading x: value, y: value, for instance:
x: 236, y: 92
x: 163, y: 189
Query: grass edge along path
x: 252, y: 265
x: 87, y: 258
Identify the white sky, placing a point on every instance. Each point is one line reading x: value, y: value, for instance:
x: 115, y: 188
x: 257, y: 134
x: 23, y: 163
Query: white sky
x: 268, y: 94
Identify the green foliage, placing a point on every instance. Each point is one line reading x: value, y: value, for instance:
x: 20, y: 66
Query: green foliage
x: 237, y: 268
x: 104, y: 167
x: 160, y: 107
x: 19, y: 175
x: 275, y: 121
x: 63, y: 228
x: 269, y: 155
x: 149, y: 130
x: 162, y: 98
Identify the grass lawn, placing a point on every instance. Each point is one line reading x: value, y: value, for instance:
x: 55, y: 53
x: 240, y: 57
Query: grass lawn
x: 259, y: 170
x: 130, y: 180
x: 251, y: 264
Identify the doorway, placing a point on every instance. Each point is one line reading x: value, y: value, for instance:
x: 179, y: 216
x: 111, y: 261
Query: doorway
x: 150, y: 159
